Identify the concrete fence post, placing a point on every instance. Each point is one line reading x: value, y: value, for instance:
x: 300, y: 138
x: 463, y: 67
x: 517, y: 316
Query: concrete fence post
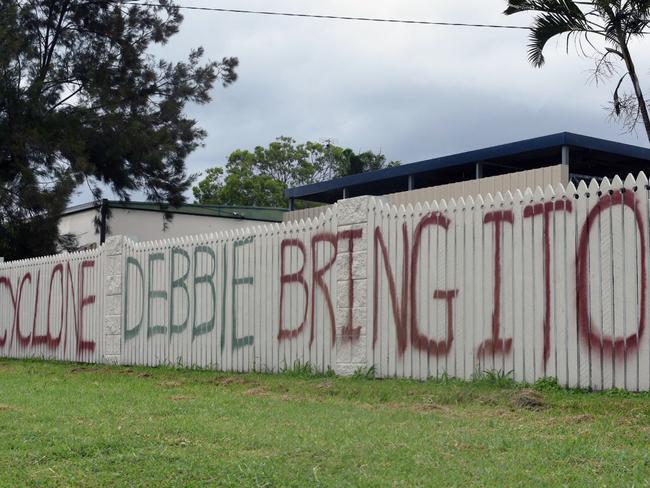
x: 352, y: 285
x: 113, y: 255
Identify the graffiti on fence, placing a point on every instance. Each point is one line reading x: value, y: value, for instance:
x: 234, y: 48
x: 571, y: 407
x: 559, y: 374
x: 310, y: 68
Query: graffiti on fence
x: 65, y: 302
x: 349, y: 332
x: 148, y: 297
x: 559, y: 282
x: 405, y: 308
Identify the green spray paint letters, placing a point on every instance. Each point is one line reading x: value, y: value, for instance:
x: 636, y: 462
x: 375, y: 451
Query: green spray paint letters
x: 208, y: 326
x: 133, y: 332
x: 238, y: 342
x: 154, y: 294
x: 182, y: 284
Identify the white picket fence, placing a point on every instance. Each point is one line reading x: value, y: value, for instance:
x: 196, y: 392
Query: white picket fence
x: 538, y: 284
x: 545, y: 283
x: 215, y: 301
x: 51, y: 307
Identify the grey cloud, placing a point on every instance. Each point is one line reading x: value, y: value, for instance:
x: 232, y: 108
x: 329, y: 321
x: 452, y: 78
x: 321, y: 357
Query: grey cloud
x: 412, y: 92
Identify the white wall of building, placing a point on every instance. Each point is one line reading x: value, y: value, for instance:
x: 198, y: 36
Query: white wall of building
x: 144, y: 225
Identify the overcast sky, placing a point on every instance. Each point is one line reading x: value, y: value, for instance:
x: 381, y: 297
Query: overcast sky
x: 412, y: 92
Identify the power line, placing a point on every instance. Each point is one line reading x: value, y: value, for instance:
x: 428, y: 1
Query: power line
x: 335, y: 17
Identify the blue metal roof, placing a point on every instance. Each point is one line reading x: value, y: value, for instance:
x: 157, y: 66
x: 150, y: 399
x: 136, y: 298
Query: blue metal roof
x: 520, y: 155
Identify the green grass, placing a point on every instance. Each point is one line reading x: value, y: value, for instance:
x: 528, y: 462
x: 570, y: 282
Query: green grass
x: 81, y: 425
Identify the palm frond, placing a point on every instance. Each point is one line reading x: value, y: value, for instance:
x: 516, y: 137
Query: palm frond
x: 564, y: 7
x: 545, y: 28
x: 556, y: 17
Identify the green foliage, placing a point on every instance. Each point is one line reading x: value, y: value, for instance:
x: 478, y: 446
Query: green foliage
x: 364, y: 373
x: 305, y: 370
x: 494, y: 377
x: 547, y: 383
x: 83, y: 101
x: 602, y: 29
x: 261, y: 176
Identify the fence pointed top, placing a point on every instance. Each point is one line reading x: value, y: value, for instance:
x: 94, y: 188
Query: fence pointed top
x: 642, y: 180
x: 528, y: 195
x: 461, y: 202
x: 489, y: 199
x: 559, y: 190
x: 498, y: 198
x: 426, y: 206
x: 630, y: 181
x: 434, y: 206
x: 443, y: 205
x: 605, y: 185
x: 478, y: 201
x: 379, y: 205
x: 509, y: 197
x: 617, y: 183
x: 418, y: 208
x: 582, y: 188
x: 570, y: 189
x: 452, y: 204
x: 549, y: 191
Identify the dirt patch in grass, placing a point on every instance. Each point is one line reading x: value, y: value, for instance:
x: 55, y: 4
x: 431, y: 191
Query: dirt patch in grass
x: 171, y: 384
x: 180, y: 398
x: 528, y: 399
x: 231, y: 380
x: 7, y: 408
x: 325, y: 385
x: 257, y: 392
x: 428, y: 408
x: 578, y: 419
x: 85, y: 370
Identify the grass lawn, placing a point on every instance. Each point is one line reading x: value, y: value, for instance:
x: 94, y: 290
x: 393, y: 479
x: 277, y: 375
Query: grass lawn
x: 80, y: 425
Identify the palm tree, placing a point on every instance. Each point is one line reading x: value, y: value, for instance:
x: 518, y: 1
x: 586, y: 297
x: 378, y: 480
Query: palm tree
x: 614, y: 22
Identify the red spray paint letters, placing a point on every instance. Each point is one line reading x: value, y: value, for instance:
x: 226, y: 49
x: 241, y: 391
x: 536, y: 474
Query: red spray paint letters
x: 72, y: 304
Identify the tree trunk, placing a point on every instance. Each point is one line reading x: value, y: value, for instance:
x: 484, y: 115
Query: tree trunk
x: 643, y: 108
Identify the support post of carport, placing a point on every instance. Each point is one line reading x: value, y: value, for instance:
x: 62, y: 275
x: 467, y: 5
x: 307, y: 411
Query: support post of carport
x: 565, y: 155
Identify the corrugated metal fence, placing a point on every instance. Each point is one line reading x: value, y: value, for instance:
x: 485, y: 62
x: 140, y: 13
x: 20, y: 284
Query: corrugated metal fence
x: 544, y: 283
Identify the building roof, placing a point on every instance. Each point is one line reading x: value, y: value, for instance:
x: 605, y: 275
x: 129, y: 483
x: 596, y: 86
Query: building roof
x: 264, y: 214
x: 588, y: 156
